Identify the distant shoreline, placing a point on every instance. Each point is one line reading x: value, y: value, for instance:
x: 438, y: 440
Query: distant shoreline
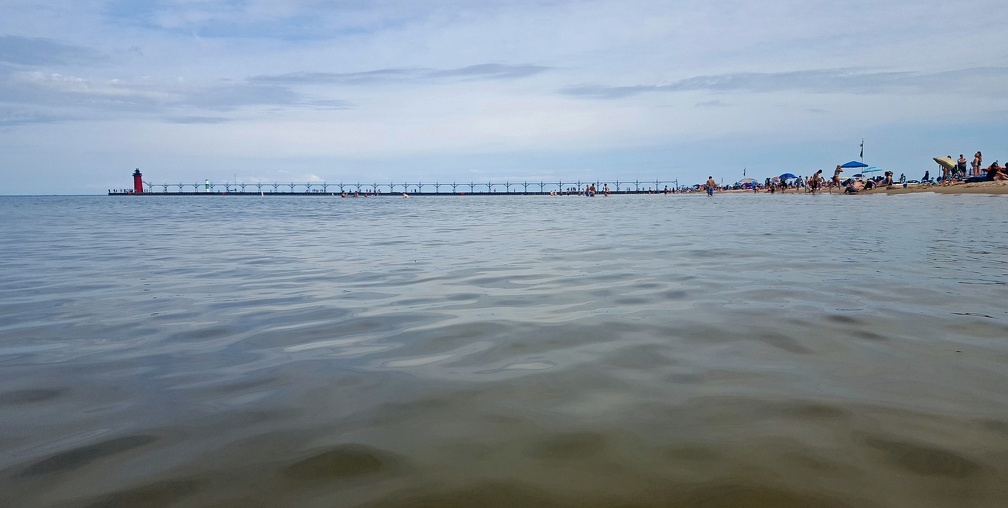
x: 990, y: 187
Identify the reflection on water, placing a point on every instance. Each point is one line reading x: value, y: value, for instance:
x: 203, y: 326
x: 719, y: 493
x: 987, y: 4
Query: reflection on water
x: 512, y: 351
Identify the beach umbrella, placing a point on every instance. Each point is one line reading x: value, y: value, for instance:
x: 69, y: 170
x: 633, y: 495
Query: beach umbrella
x: 747, y: 180
x: 872, y: 169
x: 854, y: 164
x: 946, y: 162
x: 785, y: 176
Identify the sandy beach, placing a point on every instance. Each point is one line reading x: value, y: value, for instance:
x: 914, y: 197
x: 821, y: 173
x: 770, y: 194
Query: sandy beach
x: 991, y: 187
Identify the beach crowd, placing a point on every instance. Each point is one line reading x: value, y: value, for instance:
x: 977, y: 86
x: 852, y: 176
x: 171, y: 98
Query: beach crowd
x: 952, y: 171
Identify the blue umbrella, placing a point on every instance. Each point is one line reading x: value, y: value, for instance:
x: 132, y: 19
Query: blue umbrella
x: 854, y: 164
x: 785, y: 176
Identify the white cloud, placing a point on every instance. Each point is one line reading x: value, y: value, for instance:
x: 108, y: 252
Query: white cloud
x: 537, y: 86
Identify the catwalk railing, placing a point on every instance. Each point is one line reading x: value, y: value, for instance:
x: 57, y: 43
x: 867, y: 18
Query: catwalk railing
x: 418, y: 188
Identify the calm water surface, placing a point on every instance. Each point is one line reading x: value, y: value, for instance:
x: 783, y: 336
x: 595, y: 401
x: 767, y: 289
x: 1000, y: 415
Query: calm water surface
x: 743, y: 350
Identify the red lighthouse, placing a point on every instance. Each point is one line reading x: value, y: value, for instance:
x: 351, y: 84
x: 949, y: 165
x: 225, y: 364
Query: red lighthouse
x: 137, y: 182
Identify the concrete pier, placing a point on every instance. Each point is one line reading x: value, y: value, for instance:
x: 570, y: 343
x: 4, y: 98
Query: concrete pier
x: 398, y: 189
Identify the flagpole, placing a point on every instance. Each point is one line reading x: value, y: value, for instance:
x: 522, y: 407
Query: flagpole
x: 862, y: 150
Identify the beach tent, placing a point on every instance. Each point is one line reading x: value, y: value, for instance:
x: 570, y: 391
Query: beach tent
x: 854, y: 164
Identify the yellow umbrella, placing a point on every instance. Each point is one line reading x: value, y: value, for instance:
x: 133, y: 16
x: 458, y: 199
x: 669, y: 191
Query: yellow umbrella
x: 946, y: 162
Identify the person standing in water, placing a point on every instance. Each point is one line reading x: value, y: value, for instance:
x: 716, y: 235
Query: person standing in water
x: 710, y: 185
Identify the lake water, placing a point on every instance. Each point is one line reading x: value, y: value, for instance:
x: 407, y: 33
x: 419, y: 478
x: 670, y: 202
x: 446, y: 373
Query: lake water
x: 646, y: 350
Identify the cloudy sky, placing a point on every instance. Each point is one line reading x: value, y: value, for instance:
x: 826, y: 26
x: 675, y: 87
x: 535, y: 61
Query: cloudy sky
x: 512, y: 90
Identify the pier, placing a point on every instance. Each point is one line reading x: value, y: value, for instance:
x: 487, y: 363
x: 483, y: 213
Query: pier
x: 208, y: 188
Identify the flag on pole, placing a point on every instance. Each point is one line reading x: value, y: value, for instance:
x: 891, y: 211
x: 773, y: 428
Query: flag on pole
x: 862, y: 148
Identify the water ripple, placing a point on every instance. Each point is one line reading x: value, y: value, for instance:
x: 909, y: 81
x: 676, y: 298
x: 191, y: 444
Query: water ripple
x: 514, y: 351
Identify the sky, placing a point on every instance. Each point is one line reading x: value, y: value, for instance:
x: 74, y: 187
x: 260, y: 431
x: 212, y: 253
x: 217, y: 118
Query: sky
x: 503, y: 91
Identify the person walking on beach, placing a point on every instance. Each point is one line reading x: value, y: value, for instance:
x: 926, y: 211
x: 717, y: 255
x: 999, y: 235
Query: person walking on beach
x: 814, y: 181
x: 836, y: 178
x: 710, y: 186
